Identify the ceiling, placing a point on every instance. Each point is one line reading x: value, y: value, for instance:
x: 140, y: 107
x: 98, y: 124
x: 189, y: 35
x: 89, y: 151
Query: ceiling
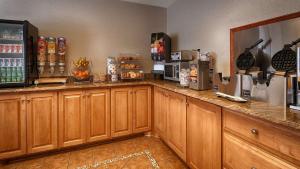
x: 159, y: 3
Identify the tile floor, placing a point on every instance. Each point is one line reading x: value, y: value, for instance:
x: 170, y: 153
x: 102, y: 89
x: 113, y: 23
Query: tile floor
x: 77, y: 159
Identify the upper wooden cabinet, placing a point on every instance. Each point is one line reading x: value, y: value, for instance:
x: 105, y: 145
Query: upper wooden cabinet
x: 141, y: 109
x: 12, y: 125
x: 203, y: 135
x: 176, y: 123
x: 42, y: 121
x: 98, y: 114
x: 72, y: 119
x: 121, y: 111
x: 161, y: 102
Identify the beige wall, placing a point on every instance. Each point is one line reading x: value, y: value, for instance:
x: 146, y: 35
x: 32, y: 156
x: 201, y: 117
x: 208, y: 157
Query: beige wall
x: 93, y: 28
x: 205, y: 24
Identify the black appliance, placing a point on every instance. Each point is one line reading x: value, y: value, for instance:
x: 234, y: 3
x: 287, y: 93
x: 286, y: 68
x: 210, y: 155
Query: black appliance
x: 18, y: 53
x: 160, y: 47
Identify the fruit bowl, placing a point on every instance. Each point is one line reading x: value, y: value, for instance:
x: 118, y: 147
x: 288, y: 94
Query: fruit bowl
x: 81, y: 70
x: 81, y: 74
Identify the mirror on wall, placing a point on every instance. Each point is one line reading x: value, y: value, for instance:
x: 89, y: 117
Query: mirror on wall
x: 253, y: 46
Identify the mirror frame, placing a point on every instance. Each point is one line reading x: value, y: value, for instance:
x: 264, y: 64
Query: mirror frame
x: 253, y: 25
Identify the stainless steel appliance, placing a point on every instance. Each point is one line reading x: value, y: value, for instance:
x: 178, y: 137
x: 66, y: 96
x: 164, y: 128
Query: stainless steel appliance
x: 172, y: 70
x: 18, y: 53
x: 199, y: 75
x: 183, y: 55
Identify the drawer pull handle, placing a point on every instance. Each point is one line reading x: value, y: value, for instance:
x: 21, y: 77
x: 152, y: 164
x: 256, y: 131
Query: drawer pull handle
x: 254, y: 131
x: 253, y: 168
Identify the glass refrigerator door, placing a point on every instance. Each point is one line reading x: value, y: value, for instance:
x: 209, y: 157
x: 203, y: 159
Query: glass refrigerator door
x: 11, y: 54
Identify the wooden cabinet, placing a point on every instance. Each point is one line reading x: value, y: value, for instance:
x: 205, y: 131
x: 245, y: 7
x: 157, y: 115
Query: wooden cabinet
x: 141, y: 109
x: 130, y: 110
x: 72, y: 126
x: 240, y: 154
x: 161, y: 102
x: 98, y: 114
x: 170, y: 119
x: 277, y: 140
x: 203, y: 135
x: 12, y: 125
x: 176, y: 123
x: 121, y: 111
x: 41, y: 121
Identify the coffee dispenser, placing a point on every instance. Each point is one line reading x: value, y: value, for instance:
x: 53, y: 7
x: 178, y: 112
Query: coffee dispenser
x: 199, y: 75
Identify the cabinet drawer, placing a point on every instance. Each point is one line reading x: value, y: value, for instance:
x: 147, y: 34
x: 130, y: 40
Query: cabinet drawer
x: 283, y: 142
x: 241, y: 155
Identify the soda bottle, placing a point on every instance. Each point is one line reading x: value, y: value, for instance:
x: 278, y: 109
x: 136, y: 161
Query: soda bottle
x: 3, y: 74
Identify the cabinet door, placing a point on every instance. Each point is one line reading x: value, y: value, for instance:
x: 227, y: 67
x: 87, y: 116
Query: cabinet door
x: 121, y: 111
x: 176, y: 124
x: 141, y: 109
x: 98, y: 114
x: 161, y: 103
x: 12, y: 126
x: 240, y: 154
x: 42, y: 122
x: 71, y: 118
x: 203, y: 135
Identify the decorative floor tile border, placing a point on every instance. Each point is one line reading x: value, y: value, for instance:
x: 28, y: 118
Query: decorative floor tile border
x: 121, y: 158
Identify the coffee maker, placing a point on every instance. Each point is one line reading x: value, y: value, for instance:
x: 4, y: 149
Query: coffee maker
x: 199, y: 75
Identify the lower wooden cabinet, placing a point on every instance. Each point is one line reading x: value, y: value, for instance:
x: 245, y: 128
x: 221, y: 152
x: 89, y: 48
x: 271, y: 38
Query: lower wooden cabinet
x: 161, y: 102
x: 121, y: 111
x: 130, y: 110
x: 72, y: 118
x: 98, y: 114
x: 240, y: 154
x: 141, y: 109
x: 12, y: 125
x: 278, y: 140
x: 42, y: 114
x: 203, y: 135
x: 176, y: 124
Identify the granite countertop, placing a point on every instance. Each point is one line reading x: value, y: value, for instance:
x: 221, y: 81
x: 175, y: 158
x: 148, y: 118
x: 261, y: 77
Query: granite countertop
x: 260, y: 110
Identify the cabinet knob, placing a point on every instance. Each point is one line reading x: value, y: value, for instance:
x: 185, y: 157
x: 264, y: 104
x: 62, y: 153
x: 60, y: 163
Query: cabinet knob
x: 254, y: 131
x: 28, y: 101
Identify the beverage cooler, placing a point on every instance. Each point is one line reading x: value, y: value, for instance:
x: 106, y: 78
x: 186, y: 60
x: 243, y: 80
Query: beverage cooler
x: 18, y: 53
